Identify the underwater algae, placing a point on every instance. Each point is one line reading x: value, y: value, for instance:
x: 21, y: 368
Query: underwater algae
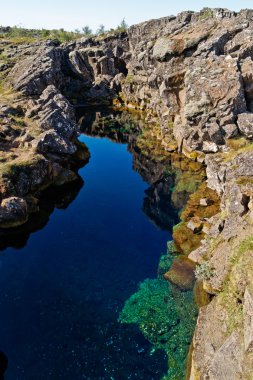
x: 167, y: 317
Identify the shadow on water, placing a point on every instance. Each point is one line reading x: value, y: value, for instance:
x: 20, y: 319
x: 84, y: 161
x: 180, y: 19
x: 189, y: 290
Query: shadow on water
x: 55, y: 197
x: 3, y: 365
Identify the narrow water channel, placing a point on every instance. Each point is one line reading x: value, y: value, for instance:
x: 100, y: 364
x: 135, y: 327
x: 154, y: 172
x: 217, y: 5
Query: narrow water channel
x: 63, y: 287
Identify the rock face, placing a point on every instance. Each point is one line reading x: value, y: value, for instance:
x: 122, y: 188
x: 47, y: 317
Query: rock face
x: 40, y: 69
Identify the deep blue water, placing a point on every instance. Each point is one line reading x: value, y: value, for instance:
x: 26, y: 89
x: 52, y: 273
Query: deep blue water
x: 61, y: 294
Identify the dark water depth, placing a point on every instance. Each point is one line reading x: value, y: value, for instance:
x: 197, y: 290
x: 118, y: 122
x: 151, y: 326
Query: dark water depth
x: 61, y: 293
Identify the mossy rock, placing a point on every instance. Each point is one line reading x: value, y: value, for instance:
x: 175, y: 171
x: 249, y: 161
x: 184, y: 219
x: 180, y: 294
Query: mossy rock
x: 185, y: 239
x: 181, y: 273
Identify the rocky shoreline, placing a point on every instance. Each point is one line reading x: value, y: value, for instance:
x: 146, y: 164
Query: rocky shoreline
x: 191, y: 76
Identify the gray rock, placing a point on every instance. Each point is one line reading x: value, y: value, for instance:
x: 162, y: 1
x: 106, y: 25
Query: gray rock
x: 248, y: 320
x: 245, y: 124
x: 227, y: 363
x: 13, y: 211
x: 51, y: 142
x: 42, y: 68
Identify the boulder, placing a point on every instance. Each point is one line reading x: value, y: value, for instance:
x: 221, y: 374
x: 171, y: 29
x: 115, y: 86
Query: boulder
x: 13, y: 212
x: 51, y: 142
x: 181, y: 273
x: 245, y: 124
x: 53, y: 111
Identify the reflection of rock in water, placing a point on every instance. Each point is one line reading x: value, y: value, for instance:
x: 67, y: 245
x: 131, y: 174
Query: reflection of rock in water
x: 3, y: 365
x: 172, y: 179
x: 157, y: 204
x: 118, y: 126
x: 54, y: 197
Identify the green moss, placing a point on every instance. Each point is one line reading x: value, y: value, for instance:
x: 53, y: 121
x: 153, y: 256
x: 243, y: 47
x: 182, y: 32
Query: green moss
x: 205, y: 14
x: 129, y: 78
x: 164, y: 264
x: 229, y: 299
x: 170, y: 125
x: 167, y: 319
x: 186, y: 182
x: 246, y: 146
x: 245, y: 245
x: 240, y: 264
x: 244, y: 180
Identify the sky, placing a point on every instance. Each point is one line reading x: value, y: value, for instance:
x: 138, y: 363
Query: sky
x: 74, y: 14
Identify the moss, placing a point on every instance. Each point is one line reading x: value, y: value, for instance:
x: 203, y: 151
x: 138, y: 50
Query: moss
x: 206, y: 13
x: 170, y: 125
x: 237, y: 143
x: 150, y: 142
x: 129, y: 78
x: 244, y: 180
x: 229, y: 300
x: 167, y: 319
x: 240, y: 271
x: 185, y: 240
x: 245, y: 147
x: 164, y: 264
x: 245, y: 246
x: 186, y: 182
x: 193, y: 207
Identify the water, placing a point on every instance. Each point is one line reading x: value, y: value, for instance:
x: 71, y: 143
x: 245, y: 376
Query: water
x: 63, y: 289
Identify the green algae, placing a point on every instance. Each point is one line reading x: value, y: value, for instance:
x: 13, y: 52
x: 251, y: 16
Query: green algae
x: 167, y: 317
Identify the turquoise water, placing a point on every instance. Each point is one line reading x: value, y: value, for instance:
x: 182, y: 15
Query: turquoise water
x: 64, y: 285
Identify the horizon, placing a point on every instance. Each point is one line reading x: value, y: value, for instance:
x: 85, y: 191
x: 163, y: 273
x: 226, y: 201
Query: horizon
x: 76, y: 15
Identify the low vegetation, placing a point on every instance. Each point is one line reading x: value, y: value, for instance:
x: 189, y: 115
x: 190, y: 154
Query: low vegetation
x: 18, y: 34
x: 203, y: 271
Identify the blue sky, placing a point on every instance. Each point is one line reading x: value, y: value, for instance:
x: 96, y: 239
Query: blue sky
x: 72, y: 14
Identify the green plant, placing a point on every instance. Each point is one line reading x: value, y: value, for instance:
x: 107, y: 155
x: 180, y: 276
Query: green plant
x: 122, y: 27
x: 204, y: 271
x: 129, y: 78
x: 205, y: 13
x: 101, y: 29
x: 87, y: 31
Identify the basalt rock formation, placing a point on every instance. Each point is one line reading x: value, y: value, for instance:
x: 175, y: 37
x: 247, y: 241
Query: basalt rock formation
x: 192, y: 77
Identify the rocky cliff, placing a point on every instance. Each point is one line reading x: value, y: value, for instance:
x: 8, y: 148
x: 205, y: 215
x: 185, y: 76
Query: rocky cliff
x: 192, y: 77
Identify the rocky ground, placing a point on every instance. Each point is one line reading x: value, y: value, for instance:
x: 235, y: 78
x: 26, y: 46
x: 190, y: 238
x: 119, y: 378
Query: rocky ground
x: 192, y: 77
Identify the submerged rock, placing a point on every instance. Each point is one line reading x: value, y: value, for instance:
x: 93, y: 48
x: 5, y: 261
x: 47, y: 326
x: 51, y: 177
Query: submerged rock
x: 181, y: 273
x: 166, y: 317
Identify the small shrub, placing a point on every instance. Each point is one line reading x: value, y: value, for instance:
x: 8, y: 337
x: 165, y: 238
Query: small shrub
x: 203, y: 271
x: 122, y: 27
x: 205, y: 14
x: 87, y: 31
x: 101, y: 29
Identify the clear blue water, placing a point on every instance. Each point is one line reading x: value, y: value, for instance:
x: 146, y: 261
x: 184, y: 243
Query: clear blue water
x: 61, y: 293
